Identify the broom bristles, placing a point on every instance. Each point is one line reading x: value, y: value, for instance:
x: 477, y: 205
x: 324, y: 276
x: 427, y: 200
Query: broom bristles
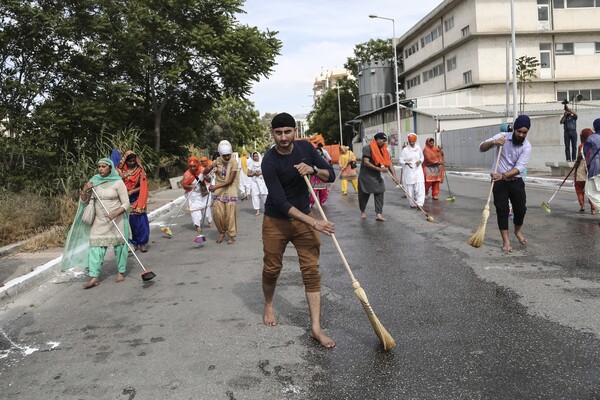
x: 385, y: 338
x: 477, y: 239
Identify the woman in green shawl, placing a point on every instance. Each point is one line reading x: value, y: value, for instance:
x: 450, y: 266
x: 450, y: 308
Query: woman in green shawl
x: 86, y: 245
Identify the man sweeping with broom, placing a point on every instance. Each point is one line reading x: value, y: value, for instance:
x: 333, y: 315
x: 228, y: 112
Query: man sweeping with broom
x: 288, y: 218
x: 515, y: 151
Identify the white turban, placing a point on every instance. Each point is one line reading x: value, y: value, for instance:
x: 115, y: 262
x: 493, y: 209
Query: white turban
x: 225, y: 148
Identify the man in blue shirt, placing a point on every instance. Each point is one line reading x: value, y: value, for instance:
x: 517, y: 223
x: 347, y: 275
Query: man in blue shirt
x: 508, y: 181
x: 288, y: 218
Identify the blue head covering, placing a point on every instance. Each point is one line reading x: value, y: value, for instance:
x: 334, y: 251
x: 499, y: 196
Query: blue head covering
x: 522, y: 121
x: 115, y: 156
x: 597, y: 125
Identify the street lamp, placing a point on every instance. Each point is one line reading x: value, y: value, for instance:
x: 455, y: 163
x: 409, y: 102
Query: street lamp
x: 340, y: 114
x: 395, y: 70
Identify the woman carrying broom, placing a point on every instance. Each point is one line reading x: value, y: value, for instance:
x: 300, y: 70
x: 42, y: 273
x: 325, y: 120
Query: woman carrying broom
x: 195, y: 184
x: 347, y: 162
x: 86, y: 245
x: 135, y: 180
x: 515, y: 151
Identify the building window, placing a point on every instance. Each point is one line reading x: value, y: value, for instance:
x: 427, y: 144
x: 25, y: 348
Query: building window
x: 449, y: 23
x: 563, y: 49
x: 571, y: 95
x: 465, y: 31
x: 597, y: 47
x: 451, y: 64
x: 433, y: 72
x: 575, y: 3
x: 543, y: 11
x: 467, y: 77
x: 431, y: 36
x: 413, y: 82
x: 411, y: 50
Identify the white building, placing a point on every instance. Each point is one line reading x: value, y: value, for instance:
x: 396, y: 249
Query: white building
x: 456, y: 70
x: 462, y: 44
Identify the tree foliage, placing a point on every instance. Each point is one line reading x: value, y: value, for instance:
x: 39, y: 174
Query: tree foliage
x: 234, y: 120
x: 325, y: 117
x: 374, y: 49
x: 72, y: 69
x: 526, y: 72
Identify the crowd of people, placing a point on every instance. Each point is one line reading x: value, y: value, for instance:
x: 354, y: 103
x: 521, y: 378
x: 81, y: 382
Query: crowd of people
x: 113, y: 203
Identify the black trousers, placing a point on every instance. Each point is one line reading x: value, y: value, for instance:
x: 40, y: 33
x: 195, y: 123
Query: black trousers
x: 515, y: 192
x: 570, y: 145
x: 363, y: 199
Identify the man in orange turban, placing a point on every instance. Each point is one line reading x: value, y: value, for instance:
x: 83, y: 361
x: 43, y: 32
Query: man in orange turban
x: 375, y: 161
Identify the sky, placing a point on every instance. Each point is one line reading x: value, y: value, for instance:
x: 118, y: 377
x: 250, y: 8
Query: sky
x: 319, y: 36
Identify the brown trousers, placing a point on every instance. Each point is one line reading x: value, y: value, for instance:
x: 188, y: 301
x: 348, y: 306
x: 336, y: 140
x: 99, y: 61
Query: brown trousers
x: 225, y: 217
x: 277, y: 233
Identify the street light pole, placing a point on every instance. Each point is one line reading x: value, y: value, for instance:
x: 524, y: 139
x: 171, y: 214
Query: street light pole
x: 395, y: 71
x: 340, y: 114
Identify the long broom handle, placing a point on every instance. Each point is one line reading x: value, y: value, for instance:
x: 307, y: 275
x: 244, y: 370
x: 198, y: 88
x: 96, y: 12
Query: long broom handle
x: 413, y: 200
x: 205, y: 210
x: 495, y: 171
x: 562, y: 183
x: 337, y: 246
x: 119, y: 230
x: 184, y: 201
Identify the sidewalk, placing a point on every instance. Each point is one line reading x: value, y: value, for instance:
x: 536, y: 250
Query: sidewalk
x: 22, y: 271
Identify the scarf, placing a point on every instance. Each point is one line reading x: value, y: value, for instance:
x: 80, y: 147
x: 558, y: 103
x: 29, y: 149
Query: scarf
x: 189, y: 176
x: 134, y: 178
x: 244, y: 161
x: 256, y: 164
x: 380, y: 156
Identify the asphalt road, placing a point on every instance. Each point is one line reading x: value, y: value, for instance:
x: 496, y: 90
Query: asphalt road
x: 469, y: 323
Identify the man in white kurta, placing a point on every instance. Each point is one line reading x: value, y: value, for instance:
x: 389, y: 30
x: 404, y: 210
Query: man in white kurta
x: 413, y: 178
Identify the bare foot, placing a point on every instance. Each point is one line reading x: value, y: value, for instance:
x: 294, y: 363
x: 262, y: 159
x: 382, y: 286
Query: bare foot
x: 257, y: 212
x: 506, y: 248
x: 220, y: 238
x: 363, y: 215
x: 143, y: 248
x: 210, y: 225
x: 231, y: 240
x: 92, y: 283
x: 521, y: 238
x: 120, y: 277
x: 269, y: 316
x: 323, y: 339
x: 379, y: 217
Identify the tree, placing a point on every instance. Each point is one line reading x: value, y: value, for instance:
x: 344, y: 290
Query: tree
x: 234, y: 120
x: 374, y: 49
x: 526, y: 72
x: 72, y: 69
x: 324, y: 118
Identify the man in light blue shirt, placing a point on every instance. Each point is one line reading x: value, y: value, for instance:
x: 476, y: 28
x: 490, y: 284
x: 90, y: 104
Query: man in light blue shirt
x: 508, y: 179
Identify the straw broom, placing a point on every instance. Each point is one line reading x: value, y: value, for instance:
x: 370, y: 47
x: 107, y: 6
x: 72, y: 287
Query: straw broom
x: 384, y: 337
x: 477, y: 239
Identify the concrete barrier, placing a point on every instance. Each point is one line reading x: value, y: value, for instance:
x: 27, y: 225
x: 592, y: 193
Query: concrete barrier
x: 176, y: 182
x: 560, y: 168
